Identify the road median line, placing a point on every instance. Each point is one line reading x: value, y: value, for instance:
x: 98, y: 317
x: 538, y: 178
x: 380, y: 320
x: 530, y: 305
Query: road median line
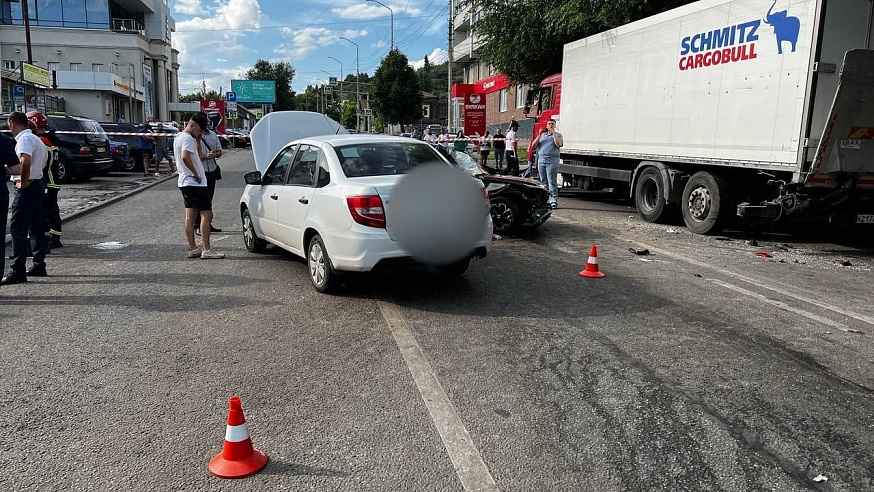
x: 469, y: 465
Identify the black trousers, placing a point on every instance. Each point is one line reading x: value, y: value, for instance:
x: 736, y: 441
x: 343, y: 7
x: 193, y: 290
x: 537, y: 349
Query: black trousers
x: 4, y: 209
x: 52, y: 212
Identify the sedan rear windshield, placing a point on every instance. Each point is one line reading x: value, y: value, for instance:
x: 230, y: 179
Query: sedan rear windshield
x: 381, y: 159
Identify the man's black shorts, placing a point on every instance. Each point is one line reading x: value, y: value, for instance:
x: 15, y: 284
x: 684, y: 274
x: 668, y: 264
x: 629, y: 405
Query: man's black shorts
x: 148, y: 153
x: 196, y: 197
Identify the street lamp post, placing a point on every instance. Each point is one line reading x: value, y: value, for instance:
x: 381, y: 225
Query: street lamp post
x: 357, y: 87
x: 341, y: 75
x: 326, y: 96
x: 392, y: 14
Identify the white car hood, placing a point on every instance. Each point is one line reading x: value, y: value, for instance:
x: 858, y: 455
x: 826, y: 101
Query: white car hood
x: 275, y: 130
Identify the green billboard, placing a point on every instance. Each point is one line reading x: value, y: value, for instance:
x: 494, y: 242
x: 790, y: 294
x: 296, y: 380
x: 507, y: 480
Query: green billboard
x: 255, y: 91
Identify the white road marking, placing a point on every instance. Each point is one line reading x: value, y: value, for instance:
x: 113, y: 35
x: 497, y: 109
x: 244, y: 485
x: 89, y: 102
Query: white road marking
x: 469, y: 465
x: 816, y: 302
x: 780, y: 304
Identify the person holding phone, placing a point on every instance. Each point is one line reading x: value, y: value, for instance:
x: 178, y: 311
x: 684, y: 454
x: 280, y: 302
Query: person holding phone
x: 547, y: 146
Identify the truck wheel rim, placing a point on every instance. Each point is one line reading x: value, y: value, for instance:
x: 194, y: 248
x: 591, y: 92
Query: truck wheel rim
x: 650, y: 194
x: 317, y: 264
x: 699, y: 203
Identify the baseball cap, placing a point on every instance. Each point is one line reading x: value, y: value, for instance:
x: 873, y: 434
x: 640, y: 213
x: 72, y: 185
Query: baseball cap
x: 201, y: 121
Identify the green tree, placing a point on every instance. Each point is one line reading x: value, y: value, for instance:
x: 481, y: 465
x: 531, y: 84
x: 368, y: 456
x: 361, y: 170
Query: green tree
x: 524, y: 40
x: 200, y: 96
x: 347, y: 114
x: 435, y: 81
x: 394, y: 90
x: 280, y: 72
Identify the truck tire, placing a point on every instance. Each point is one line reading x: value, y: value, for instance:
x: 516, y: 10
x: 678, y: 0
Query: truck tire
x: 649, y: 195
x: 707, y: 204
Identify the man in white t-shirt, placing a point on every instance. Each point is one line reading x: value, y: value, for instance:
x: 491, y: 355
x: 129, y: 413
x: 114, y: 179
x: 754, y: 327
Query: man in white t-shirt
x: 430, y: 137
x: 27, y: 214
x: 192, y: 184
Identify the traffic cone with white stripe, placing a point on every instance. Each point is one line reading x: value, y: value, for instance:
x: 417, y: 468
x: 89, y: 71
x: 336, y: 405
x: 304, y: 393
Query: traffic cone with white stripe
x: 239, y: 458
x: 592, y: 270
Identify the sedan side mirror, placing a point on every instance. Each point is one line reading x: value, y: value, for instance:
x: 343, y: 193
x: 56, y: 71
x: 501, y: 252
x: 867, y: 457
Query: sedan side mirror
x: 253, y: 178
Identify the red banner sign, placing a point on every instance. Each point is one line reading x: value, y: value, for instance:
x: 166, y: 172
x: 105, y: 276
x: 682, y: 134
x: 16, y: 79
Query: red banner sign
x: 215, y: 112
x: 475, y: 114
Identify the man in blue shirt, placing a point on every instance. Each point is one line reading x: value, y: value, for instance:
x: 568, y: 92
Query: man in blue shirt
x: 548, y: 155
x: 147, y: 147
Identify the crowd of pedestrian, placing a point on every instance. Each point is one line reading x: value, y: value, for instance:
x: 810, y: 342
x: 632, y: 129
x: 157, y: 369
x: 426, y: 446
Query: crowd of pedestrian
x: 31, y: 162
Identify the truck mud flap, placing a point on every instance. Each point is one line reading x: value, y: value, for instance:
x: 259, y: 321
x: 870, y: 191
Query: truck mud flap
x: 845, y: 155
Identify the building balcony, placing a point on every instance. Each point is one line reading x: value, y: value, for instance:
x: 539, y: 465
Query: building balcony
x: 130, y: 26
x: 461, y: 16
x: 464, y: 51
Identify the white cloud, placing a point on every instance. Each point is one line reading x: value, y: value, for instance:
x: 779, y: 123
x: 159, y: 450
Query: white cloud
x: 203, y: 41
x: 190, y: 7
x: 436, y: 57
x: 305, y: 41
x: 379, y: 44
x: 367, y: 11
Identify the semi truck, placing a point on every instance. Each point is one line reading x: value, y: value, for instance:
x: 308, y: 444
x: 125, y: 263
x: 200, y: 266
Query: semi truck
x: 723, y: 110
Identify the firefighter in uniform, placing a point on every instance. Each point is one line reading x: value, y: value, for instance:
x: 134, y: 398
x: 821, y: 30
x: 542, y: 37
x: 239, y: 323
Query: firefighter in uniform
x: 38, y: 124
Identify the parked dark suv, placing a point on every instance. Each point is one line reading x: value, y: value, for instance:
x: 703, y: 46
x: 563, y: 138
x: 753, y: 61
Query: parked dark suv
x: 132, y: 140
x: 85, y: 151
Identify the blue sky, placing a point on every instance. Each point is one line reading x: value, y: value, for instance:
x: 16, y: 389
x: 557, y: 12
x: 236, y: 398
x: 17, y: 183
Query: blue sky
x: 220, y: 40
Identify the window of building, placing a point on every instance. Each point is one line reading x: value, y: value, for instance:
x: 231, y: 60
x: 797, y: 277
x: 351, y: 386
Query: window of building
x: 520, y: 96
x: 9, y: 64
x: 53, y: 66
x: 502, y: 100
x: 96, y: 67
x: 92, y: 14
x: 426, y: 111
x: 75, y: 67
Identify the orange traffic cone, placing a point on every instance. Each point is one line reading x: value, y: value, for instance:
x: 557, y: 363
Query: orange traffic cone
x: 592, y: 270
x: 238, y: 459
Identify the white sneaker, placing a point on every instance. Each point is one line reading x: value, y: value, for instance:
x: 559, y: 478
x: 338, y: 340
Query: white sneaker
x: 210, y: 254
x: 157, y: 174
x: 195, y: 253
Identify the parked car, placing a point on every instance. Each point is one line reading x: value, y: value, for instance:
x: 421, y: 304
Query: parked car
x: 515, y: 203
x: 84, y: 150
x: 115, y: 131
x: 238, y: 138
x: 435, y: 128
x: 121, y: 157
x: 330, y: 197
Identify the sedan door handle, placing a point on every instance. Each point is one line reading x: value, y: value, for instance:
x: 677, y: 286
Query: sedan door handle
x: 274, y: 196
x: 303, y: 200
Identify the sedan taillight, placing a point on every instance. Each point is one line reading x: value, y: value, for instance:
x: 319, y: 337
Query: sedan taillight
x: 367, y: 210
x: 84, y: 150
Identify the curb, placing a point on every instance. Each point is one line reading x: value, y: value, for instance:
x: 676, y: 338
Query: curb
x: 99, y: 205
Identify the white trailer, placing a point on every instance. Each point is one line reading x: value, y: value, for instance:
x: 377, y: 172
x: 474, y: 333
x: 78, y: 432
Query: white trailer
x: 757, y: 108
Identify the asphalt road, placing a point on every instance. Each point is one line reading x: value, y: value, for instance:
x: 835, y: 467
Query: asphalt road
x: 698, y: 367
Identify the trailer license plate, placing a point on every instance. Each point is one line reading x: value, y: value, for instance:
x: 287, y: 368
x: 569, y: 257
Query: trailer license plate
x: 101, y: 150
x: 865, y: 219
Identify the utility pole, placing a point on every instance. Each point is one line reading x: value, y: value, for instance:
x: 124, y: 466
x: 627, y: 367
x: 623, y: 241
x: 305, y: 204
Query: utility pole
x: 449, y: 128
x: 357, y: 87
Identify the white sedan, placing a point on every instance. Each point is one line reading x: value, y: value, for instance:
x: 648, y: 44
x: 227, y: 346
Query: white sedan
x: 326, y: 196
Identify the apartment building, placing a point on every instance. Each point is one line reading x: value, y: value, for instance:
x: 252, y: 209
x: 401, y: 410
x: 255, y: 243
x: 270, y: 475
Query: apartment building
x: 109, y: 60
x: 504, y: 102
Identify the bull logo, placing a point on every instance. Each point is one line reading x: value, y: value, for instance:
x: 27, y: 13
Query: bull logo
x: 475, y: 98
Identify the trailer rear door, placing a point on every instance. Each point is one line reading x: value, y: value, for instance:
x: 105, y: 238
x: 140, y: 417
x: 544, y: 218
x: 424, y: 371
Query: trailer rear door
x: 845, y: 155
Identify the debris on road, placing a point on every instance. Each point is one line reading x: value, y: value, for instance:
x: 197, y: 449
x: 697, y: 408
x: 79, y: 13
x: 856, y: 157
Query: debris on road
x: 698, y: 275
x: 785, y: 247
x: 496, y: 237
x: 843, y: 262
x: 763, y: 255
x: 753, y: 242
x: 671, y: 230
x: 722, y: 238
x: 851, y: 330
x: 820, y: 478
x: 109, y: 246
x: 639, y: 252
